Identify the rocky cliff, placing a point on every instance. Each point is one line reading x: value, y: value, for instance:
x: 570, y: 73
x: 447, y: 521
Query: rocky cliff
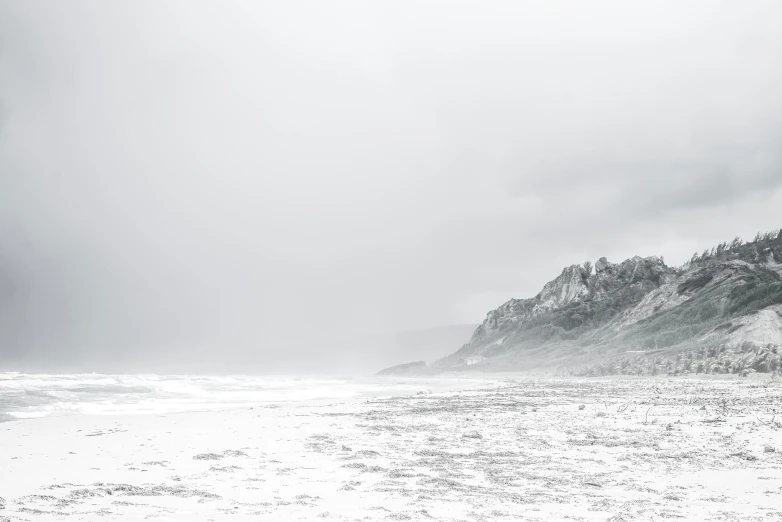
x: 720, y: 312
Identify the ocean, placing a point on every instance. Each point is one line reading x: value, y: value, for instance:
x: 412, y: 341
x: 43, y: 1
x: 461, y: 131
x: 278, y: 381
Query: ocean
x: 25, y: 395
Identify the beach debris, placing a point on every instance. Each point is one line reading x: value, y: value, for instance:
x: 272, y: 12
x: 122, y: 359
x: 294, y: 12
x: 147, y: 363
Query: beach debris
x: 208, y: 456
x: 744, y: 455
x: 218, y: 456
x: 224, y: 469
x: 161, y: 463
x: 367, y: 453
x: 235, y: 453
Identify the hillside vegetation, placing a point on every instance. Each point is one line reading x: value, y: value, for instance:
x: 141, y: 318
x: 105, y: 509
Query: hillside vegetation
x: 719, y: 313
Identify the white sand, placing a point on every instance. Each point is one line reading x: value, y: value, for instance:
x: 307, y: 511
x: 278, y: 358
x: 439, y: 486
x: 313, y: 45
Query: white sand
x: 638, y: 450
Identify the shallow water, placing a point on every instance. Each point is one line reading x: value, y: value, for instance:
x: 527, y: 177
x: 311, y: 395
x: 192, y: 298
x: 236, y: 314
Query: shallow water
x: 38, y: 395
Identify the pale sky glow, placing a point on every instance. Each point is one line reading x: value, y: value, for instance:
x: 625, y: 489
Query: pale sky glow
x: 276, y: 176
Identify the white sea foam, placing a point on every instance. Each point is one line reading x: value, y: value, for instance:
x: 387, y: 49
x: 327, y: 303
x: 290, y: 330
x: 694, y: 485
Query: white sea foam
x: 37, y: 395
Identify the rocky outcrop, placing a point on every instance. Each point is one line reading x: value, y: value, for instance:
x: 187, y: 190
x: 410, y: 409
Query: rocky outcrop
x: 571, y: 284
x: 507, y: 314
x: 574, y: 284
x: 639, y: 305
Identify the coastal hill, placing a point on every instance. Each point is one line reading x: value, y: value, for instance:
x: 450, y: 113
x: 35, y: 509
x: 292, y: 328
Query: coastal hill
x: 364, y: 353
x: 721, y: 312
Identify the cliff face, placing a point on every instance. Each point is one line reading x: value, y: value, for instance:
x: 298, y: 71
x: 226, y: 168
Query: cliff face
x: 726, y: 303
x: 576, y: 284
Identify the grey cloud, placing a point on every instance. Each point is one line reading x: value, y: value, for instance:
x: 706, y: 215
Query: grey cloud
x: 258, y: 180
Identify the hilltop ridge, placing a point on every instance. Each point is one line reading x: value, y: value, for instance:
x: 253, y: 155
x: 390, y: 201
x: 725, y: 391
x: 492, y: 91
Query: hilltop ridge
x: 721, y: 312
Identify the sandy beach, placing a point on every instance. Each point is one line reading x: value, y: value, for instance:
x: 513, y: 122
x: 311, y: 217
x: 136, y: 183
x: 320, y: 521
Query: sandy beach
x: 548, y: 449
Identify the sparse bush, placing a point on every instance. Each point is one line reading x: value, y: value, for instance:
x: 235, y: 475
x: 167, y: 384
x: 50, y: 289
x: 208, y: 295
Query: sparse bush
x: 758, y: 293
x: 695, y: 283
x: 587, y: 268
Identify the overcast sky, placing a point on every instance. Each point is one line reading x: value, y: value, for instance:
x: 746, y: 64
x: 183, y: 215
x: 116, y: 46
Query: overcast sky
x: 271, y: 176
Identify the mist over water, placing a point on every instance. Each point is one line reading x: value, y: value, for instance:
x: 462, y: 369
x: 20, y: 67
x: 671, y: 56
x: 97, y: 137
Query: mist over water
x: 249, y: 186
x: 39, y: 395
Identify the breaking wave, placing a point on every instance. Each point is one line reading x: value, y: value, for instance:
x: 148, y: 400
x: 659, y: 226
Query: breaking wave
x: 38, y: 395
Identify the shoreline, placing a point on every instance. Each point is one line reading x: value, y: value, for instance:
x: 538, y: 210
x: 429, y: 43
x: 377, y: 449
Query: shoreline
x: 531, y: 449
x: 26, y: 396
x: 418, y: 384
